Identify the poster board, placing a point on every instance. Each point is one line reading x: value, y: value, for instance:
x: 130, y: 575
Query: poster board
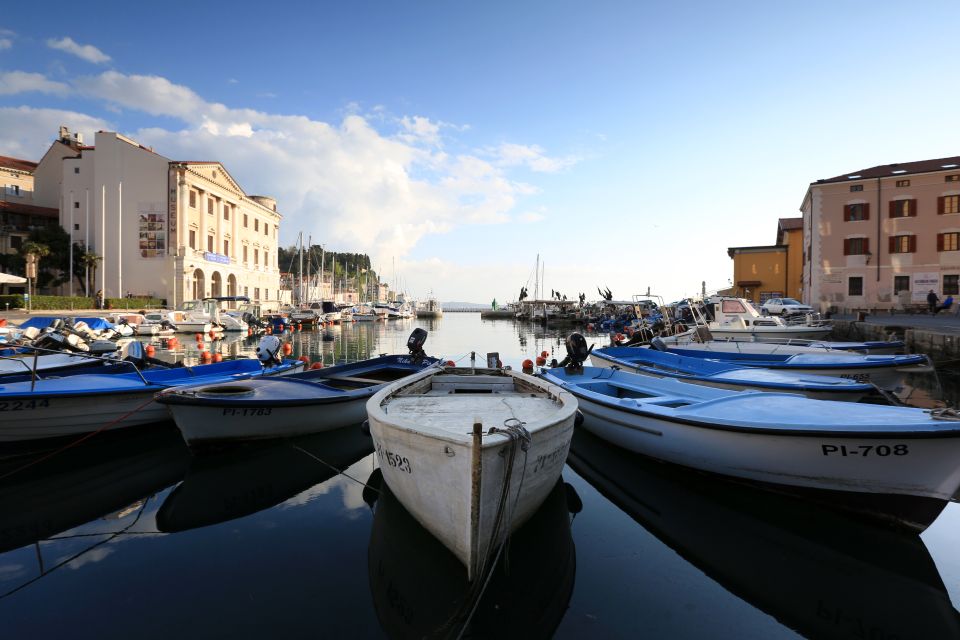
x: 922, y: 283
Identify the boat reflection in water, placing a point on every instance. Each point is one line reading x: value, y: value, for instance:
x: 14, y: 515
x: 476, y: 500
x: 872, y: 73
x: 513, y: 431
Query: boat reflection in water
x: 242, y: 480
x: 104, y: 475
x: 817, y: 571
x: 420, y: 589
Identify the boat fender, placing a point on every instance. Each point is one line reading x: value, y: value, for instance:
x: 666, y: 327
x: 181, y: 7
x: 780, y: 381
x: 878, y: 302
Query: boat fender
x: 365, y: 428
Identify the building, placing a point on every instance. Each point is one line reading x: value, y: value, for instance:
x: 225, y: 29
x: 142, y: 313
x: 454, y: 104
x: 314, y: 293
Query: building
x: 883, y: 237
x: 19, y: 214
x: 771, y: 271
x: 175, y: 230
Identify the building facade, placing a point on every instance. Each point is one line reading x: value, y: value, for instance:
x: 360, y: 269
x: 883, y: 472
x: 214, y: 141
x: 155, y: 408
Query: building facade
x: 771, y: 271
x: 882, y: 238
x: 175, y: 230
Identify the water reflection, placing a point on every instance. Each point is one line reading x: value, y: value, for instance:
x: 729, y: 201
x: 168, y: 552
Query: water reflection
x: 420, y: 589
x: 818, y: 572
x: 239, y: 481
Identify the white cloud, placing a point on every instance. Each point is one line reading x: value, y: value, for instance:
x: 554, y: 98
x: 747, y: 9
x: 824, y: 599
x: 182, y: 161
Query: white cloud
x: 26, y: 132
x: 87, y: 52
x: 13, y: 82
x: 532, y: 216
x: 531, y: 156
x: 5, y: 43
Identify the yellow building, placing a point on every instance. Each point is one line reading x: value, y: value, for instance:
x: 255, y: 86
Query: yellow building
x: 771, y: 271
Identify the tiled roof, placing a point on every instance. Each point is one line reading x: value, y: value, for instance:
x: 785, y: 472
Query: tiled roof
x: 18, y: 207
x: 16, y: 163
x: 789, y: 224
x: 904, y: 168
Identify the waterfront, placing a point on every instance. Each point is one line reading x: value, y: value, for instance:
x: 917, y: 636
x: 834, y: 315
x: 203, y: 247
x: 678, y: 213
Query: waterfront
x: 130, y: 535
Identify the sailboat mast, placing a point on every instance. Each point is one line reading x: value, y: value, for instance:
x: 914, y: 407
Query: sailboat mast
x: 536, y: 279
x: 300, y: 288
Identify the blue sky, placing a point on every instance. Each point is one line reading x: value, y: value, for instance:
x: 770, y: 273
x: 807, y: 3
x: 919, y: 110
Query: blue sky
x: 629, y: 144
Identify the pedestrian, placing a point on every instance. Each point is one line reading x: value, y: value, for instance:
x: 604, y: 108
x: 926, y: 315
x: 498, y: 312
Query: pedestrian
x: 99, y: 298
x: 932, y: 301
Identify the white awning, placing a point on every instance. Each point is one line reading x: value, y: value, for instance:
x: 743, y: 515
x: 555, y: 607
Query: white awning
x: 6, y: 278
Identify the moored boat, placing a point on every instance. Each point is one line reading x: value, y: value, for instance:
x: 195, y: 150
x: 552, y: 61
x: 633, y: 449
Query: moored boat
x: 894, y: 462
x: 471, y: 453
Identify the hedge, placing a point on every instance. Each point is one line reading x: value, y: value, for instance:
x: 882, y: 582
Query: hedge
x: 50, y: 303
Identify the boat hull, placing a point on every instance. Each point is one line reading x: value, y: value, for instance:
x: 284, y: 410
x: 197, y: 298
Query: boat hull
x: 773, y: 334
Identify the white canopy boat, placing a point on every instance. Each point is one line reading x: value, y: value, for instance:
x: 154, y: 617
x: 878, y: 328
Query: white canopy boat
x: 471, y: 453
x: 737, y: 318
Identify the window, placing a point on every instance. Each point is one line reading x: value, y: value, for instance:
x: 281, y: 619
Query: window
x: 266, y: 229
x: 226, y: 212
x: 853, y: 212
x: 266, y: 294
x: 193, y: 239
x: 76, y: 205
x: 16, y: 242
x: 210, y: 206
x: 903, y: 183
x: 76, y: 169
x: 948, y: 204
x: 731, y: 306
x: 903, y: 244
x: 901, y: 283
x: 226, y: 247
x: 210, y: 244
x: 256, y: 293
x: 244, y: 254
x: 256, y: 257
x: 952, y: 178
x: 193, y: 199
x: 856, y: 187
x: 244, y: 220
x: 256, y: 224
x: 855, y: 286
x: 13, y: 189
x: 246, y: 291
x: 76, y: 227
x: 948, y: 241
x: 903, y: 208
x: 856, y: 246
x: 951, y: 285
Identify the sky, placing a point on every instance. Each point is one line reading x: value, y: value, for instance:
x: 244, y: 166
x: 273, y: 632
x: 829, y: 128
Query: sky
x: 628, y: 144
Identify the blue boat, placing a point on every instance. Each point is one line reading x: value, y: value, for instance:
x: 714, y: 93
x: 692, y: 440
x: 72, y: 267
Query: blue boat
x: 887, y: 372
x: 304, y: 403
x: 724, y: 375
x: 84, y: 403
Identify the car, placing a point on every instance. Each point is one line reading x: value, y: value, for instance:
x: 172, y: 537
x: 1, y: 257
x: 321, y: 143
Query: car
x: 785, y: 307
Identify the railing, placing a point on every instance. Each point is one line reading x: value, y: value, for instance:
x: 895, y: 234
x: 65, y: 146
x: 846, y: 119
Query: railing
x: 38, y: 350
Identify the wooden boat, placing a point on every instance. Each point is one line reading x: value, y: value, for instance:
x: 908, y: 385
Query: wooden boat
x: 724, y: 375
x: 471, y: 453
x: 77, y: 404
x: 528, y: 593
x: 895, y: 462
x: 308, y: 402
x: 815, y: 570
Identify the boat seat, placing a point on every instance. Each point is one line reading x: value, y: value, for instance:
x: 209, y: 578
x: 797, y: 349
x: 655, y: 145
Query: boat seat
x: 356, y: 379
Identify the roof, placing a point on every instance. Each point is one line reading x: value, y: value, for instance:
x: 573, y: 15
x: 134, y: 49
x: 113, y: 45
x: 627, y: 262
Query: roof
x: 17, y: 207
x: 897, y: 169
x: 16, y: 163
x: 788, y: 224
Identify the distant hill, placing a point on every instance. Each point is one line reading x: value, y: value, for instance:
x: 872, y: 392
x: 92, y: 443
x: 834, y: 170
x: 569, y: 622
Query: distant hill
x: 464, y: 305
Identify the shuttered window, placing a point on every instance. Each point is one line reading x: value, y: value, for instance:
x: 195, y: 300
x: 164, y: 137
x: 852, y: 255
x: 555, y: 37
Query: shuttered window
x: 948, y: 204
x: 948, y: 241
x: 854, y: 212
x: 903, y: 208
x: 856, y: 246
x: 903, y: 244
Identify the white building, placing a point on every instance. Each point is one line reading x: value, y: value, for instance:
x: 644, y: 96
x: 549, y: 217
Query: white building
x: 176, y: 230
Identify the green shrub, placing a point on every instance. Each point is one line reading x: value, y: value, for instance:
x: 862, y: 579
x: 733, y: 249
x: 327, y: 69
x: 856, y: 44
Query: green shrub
x: 133, y: 304
x: 15, y: 300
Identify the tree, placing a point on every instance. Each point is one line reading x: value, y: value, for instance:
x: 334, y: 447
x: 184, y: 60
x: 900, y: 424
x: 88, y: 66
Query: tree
x: 90, y: 261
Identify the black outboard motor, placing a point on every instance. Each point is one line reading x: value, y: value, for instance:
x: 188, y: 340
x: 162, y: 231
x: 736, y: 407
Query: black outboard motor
x: 577, y: 352
x: 415, y: 344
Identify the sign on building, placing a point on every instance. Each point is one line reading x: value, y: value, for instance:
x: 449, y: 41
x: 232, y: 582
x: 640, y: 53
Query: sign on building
x: 922, y: 284
x: 153, y: 229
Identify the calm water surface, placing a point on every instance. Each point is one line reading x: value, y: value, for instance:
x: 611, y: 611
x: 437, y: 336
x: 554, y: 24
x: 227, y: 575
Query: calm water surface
x: 130, y: 536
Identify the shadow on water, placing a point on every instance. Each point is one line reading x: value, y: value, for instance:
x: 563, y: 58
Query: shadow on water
x: 420, y: 589
x: 815, y: 570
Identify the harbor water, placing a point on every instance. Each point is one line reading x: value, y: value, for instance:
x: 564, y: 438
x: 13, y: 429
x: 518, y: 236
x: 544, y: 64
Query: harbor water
x: 128, y: 535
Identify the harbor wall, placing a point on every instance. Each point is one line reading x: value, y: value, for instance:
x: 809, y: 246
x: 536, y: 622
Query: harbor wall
x: 939, y: 345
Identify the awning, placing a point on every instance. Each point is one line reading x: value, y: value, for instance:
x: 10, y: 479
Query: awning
x: 748, y: 283
x: 6, y: 278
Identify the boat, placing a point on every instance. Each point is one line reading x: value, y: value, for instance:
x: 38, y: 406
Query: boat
x: 308, y: 402
x: 886, y: 372
x: 724, y: 375
x: 728, y: 317
x: 471, y: 452
x: 528, y: 593
x: 895, y: 463
x: 66, y: 406
x: 430, y: 309
x: 239, y: 481
x: 815, y: 570
x: 872, y: 347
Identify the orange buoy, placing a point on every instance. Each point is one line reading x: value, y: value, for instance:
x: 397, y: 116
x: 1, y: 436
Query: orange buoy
x: 528, y: 364
x: 628, y: 331
x: 299, y: 327
x: 317, y: 365
x: 212, y: 333
x: 541, y: 361
x: 150, y: 350
x: 3, y: 322
x: 217, y: 357
x: 281, y: 326
x: 305, y: 360
x: 205, y: 356
x: 618, y: 337
x: 173, y: 343
x: 287, y: 348
x: 451, y: 363
x: 545, y: 354
x: 249, y: 331
x: 199, y: 337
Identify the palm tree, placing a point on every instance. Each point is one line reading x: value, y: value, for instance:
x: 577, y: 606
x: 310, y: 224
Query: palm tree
x: 90, y: 261
x: 36, y: 249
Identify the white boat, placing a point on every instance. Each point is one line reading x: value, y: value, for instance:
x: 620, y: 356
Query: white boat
x: 471, y: 453
x: 898, y: 461
x: 430, y: 309
x: 738, y: 318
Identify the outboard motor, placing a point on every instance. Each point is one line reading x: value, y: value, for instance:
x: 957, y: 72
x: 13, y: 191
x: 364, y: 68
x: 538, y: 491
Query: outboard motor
x: 268, y: 351
x: 134, y: 352
x: 658, y: 344
x: 577, y: 352
x: 415, y: 344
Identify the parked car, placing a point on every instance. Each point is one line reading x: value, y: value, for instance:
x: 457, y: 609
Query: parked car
x: 784, y: 307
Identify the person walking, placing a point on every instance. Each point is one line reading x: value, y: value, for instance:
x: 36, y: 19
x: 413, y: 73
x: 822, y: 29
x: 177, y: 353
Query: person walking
x: 932, y: 301
x: 99, y: 298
